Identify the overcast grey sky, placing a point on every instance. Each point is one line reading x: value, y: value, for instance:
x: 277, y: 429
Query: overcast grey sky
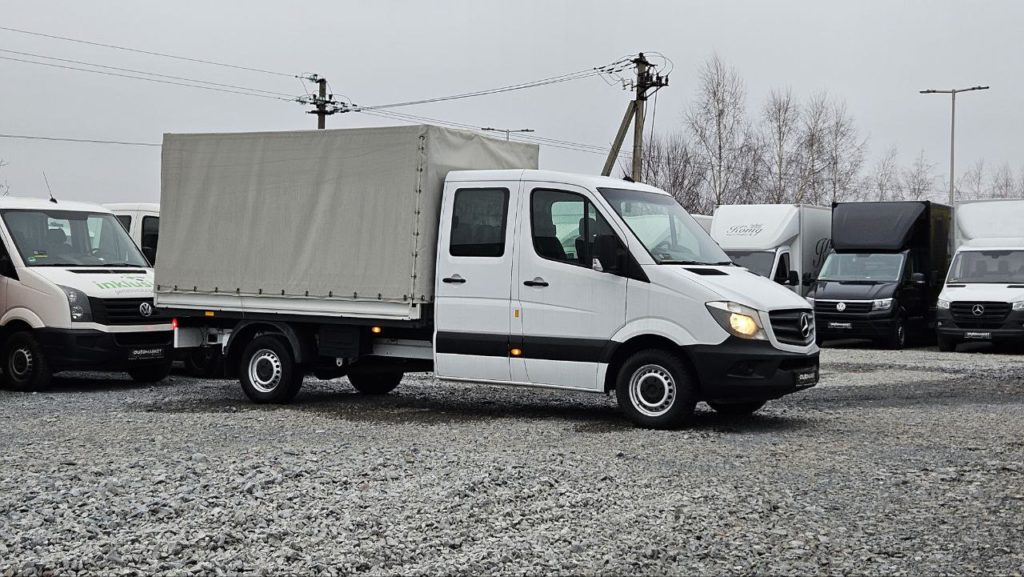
x: 874, y: 54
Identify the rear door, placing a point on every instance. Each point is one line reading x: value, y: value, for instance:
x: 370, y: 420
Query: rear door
x: 473, y: 305
x: 569, y: 310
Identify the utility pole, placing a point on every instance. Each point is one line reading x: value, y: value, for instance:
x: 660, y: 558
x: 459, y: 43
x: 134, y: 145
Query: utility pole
x: 952, y: 133
x: 507, y: 131
x: 323, y: 103
x: 645, y: 84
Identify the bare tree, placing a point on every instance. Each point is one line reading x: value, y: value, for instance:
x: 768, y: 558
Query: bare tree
x: 919, y: 180
x: 780, y: 138
x: 1002, y: 184
x: 5, y: 188
x: 844, y: 151
x: 670, y: 164
x: 716, y: 121
x: 972, y: 184
x: 813, y: 127
x: 884, y: 182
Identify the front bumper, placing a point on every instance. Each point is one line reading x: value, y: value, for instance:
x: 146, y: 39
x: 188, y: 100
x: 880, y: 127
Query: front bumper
x: 741, y: 370
x: 854, y: 326
x: 1010, y: 329
x: 92, y: 349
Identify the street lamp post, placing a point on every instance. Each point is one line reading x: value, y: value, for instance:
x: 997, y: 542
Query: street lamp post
x: 507, y: 131
x: 952, y: 131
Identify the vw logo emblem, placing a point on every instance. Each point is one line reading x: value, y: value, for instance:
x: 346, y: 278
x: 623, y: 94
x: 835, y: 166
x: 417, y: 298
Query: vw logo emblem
x: 806, y: 325
x: 146, y: 310
x: 978, y: 310
x: 841, y: 307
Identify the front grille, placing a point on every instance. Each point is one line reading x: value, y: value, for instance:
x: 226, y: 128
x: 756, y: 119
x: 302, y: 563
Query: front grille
x: 850, y: 307
x: 124, y: 312
x: 991, y: 314
x: 148, y: 338
x: 789, y: 328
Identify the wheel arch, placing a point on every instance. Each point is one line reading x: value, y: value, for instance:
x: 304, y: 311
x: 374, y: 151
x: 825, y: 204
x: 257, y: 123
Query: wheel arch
x: 640, y: 343
x: 302, y: 347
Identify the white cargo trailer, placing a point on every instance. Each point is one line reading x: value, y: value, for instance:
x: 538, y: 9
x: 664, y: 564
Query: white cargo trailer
x: 787, y: 243
x: 374, y: 252
x: 983, y: 298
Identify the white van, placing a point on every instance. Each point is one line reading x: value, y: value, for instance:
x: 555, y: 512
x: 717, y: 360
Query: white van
x: 142, y: 221
x: 380, y: 259
x: 75, y: 294
x: 983, y: 298
x: 787, y: 243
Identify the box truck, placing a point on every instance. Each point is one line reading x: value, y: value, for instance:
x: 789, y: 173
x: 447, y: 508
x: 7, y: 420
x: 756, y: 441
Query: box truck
x: 142, y: 221
x: 787, y: 243
x: 883, y: 277
x: 983, y: 298
x: 75, y: 294
x: 704, y: 221
x: 374, y: 252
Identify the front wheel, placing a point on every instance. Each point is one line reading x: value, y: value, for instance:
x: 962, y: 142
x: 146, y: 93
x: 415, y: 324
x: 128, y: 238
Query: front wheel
x: 150, y: 372
x: 655, y: 390
x: 898, y: 337
x: 268, y: 372
x: 737, y: 409
x: 374, y: 381
x: 25, y: 366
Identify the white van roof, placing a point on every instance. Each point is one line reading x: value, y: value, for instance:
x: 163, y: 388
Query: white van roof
x: 755, y: 226
x: 127, y: 206
x: 24, y: 203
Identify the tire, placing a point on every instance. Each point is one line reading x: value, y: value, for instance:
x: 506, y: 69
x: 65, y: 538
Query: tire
x: 897, y: 339
x: 268, y: 372
x: 656, y: 390
x: 737, y: 409
x: 25, y: 366
x: 150, y: 372
x: 947, y: 344
x: 204, y: 363
x: 375, y: 381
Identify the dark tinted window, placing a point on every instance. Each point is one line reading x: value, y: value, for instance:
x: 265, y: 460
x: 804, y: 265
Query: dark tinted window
x: 566, y: 227
x: 150, y: 232
x: 125, y: 220
x: 478, y: 222
x: 782, y: 272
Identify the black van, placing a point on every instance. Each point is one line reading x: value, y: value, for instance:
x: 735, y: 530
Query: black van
x: 885, y: 272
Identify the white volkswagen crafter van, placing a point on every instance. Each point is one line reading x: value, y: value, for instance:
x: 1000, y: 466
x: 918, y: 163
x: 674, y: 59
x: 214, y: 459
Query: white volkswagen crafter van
x: 75, y: 293
x: 375, y: 252
x: 983, y: 298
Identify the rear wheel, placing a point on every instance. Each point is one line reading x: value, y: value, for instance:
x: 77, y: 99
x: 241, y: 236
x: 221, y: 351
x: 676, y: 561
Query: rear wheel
x: 268, y: 372
x: 947, y: 344
x: 25, y: 366
x: 373, y: 380
x: 204, y: 362
x: 150, y: 372
x: 655, y: 390
x: 898, y: 335
x: 737, y: 409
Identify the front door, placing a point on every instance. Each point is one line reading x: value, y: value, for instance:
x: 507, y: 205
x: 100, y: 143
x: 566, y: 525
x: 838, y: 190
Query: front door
x: 474, y: 279
x: 569, y: 310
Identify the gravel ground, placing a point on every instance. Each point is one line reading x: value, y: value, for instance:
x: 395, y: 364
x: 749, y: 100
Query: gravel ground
x: 908, y: 462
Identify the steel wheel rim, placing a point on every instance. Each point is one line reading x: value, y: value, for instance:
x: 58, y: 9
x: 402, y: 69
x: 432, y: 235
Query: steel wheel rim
x: 265, y: 370
x: 652, y: 390
x: 21, y: 363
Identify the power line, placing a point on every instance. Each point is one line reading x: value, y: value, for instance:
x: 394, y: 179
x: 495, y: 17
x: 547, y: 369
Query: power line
x: 149, y: 79
x: 80, y: 140
x: 43, y: 56
x: 149, y: 52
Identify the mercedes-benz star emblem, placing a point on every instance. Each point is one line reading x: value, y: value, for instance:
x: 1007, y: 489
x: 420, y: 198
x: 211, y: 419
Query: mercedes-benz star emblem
x: 146, y: 310
x: 978, y: 310
x: 841, y: 307
x: 806, y: 325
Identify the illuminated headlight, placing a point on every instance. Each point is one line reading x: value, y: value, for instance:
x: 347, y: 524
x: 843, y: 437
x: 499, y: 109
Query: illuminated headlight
x: 881, y: 304
x: 81, y: 312
x: 737, y: 320
x: 944, y: 304
x: 1018, y: 306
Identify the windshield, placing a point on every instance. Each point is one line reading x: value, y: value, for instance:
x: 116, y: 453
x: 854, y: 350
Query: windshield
x: 757, y: 261
x: 71, y: 238
x: 666, y: 230
x: 988, y: 266
x: 875, y: 267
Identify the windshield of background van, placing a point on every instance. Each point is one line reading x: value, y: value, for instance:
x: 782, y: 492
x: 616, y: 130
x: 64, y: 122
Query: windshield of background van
x: 758, y: 262
x: 988, y: 266
x: 668, y: 233
x: 71, y: 238
x: 874, y: 267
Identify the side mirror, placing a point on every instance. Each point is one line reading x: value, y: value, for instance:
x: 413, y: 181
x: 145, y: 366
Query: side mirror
x: 609, y: 256
x: 150, y: 254
x: 917, y: 278
x: 809, y: 279
x: 794, y: 278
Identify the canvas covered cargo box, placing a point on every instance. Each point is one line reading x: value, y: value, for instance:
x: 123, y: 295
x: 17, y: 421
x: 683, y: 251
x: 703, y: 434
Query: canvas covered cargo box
x: 327, y: 221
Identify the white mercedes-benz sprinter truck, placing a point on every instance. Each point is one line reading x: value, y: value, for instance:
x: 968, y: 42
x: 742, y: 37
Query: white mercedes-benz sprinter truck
x: 370, y: 253
x: 76, y: 294
x: 983, y: 298
x: 787, y: 243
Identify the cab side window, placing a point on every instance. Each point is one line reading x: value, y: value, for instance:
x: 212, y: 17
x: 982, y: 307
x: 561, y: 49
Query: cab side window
x: 126, y: 221
x: 479, y: 217
x: 782, y: 271
x: 566, y: 227
x: 150, y: 233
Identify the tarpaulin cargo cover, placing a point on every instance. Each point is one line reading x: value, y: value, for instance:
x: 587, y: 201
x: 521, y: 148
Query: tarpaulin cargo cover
x: 338, y: 215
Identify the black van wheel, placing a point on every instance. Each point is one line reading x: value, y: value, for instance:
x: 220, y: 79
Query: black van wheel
x: 150, y: 372
x: 737, y: 409
x: 25, y: 366
x: 947, y: 344
x: 898, y: 337
x: 655, y: 390
x: 374, y: 381
x: 204, y: 363
x: 268, y: 371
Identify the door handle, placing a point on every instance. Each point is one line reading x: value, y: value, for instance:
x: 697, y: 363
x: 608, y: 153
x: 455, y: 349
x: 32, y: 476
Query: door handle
x: 454, y: 279
x: 537, y: 282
